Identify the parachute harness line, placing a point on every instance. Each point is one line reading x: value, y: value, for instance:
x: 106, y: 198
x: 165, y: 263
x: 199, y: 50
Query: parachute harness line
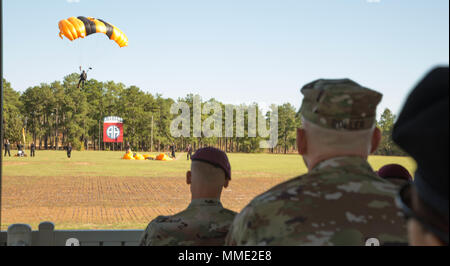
x: 74, y: 28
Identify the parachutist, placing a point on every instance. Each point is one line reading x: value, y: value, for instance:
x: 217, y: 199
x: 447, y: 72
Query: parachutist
x: 83, y: 78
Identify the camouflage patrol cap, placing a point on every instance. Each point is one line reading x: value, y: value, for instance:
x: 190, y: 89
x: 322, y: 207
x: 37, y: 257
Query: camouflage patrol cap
x: 339, y: 104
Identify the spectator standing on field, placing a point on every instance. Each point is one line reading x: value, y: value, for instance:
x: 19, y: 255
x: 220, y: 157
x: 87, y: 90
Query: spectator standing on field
x: 172, y: 150
x: 32, y: 149
x: 69, y: 150
x: 7, y: 148
x: 189, y: 152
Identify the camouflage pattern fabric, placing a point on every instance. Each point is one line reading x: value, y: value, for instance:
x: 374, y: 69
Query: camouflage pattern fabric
x: 340, y: 104
x: 204, y: 222
x: 341, y: 201
x: 397, y: 181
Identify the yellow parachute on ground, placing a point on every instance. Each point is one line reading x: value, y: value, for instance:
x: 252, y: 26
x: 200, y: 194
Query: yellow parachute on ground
x: 139, y: 157
x: 136, y: 156
x: 149, y: 157
x: 128, y: 156
x: 80, y: 27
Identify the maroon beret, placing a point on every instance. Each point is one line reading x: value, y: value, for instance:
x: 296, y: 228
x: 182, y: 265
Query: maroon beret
x: 214, y: 157
x: 394, y: 171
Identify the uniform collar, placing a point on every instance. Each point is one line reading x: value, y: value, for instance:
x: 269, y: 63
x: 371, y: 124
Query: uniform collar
x: 207, y: 202
x: 352, y: 162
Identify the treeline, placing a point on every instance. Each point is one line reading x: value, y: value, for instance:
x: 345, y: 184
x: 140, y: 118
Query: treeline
x: 55, y: 114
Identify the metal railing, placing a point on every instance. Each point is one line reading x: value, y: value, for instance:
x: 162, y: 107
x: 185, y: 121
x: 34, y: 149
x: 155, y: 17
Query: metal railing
x: 22, y: 235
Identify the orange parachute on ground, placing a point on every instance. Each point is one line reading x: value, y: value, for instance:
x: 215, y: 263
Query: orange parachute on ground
x: 163, y: 157
x: 80, y: 27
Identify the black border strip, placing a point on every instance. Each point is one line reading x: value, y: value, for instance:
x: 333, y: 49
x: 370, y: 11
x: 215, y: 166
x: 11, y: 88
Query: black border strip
x: 1, y: 107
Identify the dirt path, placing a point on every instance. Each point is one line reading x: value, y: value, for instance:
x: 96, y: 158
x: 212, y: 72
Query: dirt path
x: 109, y: 202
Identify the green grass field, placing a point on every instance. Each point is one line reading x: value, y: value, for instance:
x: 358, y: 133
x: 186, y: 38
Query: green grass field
x: 99, y: 190
x: 103, y: 163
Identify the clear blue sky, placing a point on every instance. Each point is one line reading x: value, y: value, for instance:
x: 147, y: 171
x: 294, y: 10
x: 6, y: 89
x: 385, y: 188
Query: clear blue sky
x: 237, y: 51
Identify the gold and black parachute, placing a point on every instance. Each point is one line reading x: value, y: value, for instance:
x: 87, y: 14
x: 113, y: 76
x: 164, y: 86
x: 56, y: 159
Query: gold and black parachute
x: 80, y: 27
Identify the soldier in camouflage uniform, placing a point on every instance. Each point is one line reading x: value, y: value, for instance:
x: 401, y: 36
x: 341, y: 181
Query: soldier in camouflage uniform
x: 340, y: 201
x: 205, y: 221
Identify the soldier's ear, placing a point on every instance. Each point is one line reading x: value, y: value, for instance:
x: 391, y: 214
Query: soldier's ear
x: 225, y: 185
x: 376, y: 138
x: 301, y: 141
x: 188, y: 177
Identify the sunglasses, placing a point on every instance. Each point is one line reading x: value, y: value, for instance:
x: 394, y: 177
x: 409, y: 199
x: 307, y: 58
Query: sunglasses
x: 404, y: 202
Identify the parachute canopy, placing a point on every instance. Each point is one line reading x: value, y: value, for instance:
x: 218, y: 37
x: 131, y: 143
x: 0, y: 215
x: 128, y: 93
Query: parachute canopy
x: 136, y: 156
x: 139, y: 157
x: 74, y: 28
x: 149, y: 157
x: 128, y: 156
x: 163, y: 157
